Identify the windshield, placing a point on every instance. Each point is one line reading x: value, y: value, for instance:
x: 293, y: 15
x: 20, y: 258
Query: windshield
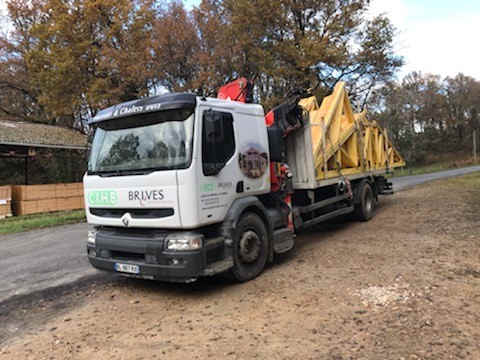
x: 160, y: 146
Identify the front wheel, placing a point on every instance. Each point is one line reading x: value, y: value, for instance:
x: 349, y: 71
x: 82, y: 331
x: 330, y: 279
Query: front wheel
x: 250, y: 251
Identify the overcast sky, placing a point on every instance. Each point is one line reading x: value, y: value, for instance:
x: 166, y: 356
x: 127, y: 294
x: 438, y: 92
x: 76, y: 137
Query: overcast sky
x: 3, y: 13
x: 436, y: 36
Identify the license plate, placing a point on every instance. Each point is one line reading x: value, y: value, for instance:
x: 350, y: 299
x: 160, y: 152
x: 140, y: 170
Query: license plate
x: 127, y: 268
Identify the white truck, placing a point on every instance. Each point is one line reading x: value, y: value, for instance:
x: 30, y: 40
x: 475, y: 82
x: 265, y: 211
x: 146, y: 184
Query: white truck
x: 180, y: 186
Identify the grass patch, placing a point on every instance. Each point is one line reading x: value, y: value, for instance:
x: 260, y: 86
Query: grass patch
x: 28, y: 222
x: 470, y: 181
x: 427, y: 169
x: 471, y: 184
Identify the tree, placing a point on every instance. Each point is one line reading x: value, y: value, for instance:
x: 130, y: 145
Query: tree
x: 69, y: 58
x: 78, y: 56
x: 426, y: 115
x: 176, y: 46
x: 462, y: 105
x: 294, y: 44
x: 19, y: 99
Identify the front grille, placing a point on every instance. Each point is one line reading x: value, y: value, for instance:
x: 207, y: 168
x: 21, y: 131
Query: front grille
x: 122, y: 255
x: 135, y: 213
x: 123, y: 233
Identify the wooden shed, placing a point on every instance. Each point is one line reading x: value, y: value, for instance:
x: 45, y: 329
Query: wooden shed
x: 22, y: 140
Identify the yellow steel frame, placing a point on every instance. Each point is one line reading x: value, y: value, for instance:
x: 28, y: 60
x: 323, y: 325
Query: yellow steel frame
x: 345, y: 143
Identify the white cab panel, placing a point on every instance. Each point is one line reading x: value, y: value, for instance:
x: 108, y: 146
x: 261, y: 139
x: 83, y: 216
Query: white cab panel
x: 247, y: 169
x: 155, y: 190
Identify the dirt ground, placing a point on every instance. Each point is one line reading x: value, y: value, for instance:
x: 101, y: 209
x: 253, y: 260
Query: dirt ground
x: 405, y: 285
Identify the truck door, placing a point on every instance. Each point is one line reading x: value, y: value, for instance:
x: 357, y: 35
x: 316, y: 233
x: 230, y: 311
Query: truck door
x: 219, y: 166
x: 231, y: 165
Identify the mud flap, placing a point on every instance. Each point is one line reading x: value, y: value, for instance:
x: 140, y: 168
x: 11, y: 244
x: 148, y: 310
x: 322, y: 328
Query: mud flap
x: 283, y: 241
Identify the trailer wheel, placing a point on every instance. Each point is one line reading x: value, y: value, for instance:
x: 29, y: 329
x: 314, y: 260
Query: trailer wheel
x: 250, y: 251
x: 365, y: 208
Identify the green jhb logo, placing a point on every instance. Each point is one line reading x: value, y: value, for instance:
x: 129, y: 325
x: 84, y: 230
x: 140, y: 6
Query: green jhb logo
x: 104, y: 197
x: 207, y: 187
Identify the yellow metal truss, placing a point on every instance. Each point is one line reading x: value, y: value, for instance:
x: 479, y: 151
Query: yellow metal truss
x: 345, y: 143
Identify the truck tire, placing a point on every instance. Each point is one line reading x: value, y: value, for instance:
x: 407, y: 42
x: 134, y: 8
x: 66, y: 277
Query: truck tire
x: 364, y: 209
x: 250, y: 252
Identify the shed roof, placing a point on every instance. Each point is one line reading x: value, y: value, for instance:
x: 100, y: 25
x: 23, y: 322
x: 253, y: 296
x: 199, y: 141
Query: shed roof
x: 40, y: 135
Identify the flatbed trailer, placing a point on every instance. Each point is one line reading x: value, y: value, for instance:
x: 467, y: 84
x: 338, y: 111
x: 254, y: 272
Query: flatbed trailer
x: 181, y: 186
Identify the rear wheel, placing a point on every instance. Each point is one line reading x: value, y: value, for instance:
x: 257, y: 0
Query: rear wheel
x: 250, y: 251
x: 364, y: 210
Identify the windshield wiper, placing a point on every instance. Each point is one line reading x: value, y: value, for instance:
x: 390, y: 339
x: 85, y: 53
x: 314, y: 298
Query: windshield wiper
x: 144, y: 171
x: 105, y: 173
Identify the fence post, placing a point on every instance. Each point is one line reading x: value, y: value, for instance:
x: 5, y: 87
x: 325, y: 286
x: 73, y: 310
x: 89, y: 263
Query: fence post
x: 475, y: 146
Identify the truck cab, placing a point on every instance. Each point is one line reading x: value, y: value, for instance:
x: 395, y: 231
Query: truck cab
x: 168, y: 179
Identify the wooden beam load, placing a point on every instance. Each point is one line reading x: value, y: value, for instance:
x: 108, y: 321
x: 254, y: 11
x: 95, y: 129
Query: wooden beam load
x: 345, y: 143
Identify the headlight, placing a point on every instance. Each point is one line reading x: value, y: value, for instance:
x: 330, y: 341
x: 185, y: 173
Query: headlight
x: 91, y: 237
x: 184, y: 241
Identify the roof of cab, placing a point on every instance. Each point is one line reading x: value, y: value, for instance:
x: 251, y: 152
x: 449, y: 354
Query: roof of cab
x: 146, y: 105
x: 169, y: 102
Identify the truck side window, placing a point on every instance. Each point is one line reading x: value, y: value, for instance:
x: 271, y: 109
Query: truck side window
x: 218, y: 141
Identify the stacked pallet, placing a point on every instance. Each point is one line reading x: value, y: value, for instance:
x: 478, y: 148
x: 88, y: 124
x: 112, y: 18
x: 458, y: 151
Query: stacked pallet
x: 5, y: 201
x: 32, y: 199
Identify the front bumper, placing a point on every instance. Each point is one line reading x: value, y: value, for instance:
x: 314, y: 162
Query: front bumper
x: 189, y: 271
x: 148, y: 251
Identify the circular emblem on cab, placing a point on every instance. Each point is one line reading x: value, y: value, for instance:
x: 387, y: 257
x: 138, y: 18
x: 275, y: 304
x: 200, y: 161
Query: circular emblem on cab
x: 253, y: 161
x: 126, y: 218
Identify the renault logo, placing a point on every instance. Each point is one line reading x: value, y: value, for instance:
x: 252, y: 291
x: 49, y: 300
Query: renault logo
x: 126, y: 219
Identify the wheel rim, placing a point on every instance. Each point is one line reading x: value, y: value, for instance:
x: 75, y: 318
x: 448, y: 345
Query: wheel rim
x: 249, y: 247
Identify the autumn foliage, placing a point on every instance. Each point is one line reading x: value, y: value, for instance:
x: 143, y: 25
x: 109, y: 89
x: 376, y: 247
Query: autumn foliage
x: 63, y: 60
x: 428, y: 116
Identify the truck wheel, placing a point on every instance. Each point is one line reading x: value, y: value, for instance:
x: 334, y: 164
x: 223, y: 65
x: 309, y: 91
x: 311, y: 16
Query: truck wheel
x: 365, y: 208
x: 250, y: 251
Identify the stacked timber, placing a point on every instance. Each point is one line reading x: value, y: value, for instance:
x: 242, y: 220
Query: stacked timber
x: 336, y: 142
x: 5, y: 201
x: 32, y: 199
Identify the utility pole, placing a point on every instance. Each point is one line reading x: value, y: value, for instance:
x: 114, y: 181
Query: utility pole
x: 475, y: 146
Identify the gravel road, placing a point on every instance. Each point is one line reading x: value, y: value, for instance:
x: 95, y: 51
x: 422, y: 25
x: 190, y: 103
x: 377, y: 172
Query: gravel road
x: 40, y: 259
x: 404, y: 182
x: 401, y: 286
x: 37, y: 260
